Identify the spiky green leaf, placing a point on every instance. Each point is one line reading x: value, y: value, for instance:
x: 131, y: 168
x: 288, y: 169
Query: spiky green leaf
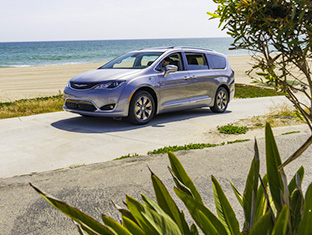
x: 208, y: 228
x: 137, y: 210
x: 224, y: 209
x: 305, y: 226
x: 293, y: 183
x: 159, y: 219
x: 115, y: 226
x: 237, y: 194
x: 181, y: 174
x: 280, y: 226
x: 75, y: 214
x: 154, y: 206
x: 179, y: 184
x: 273, y: 160
x: 167, y: 204
x: 250, y: 192
x: 263, y: 225
x: 296, y: 206
x: 132, y: 226
x: 261, y: 203
x: 125, y: 213
x: 194, y: 206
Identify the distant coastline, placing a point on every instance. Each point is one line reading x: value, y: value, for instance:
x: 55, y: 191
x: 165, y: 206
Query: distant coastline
x: 25, y: 54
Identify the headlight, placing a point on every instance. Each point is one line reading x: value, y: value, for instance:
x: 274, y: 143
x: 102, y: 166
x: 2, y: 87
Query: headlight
x: 109, y: 85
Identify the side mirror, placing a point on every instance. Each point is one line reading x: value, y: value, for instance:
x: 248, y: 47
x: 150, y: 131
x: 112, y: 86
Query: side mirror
x: 170, y: 69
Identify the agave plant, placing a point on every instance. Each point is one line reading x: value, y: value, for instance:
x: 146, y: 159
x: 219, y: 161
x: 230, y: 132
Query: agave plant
x: 271, y: 206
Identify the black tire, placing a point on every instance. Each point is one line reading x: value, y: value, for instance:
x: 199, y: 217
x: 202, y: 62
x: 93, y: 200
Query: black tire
x: 142, y: 108
x: 221, y: 101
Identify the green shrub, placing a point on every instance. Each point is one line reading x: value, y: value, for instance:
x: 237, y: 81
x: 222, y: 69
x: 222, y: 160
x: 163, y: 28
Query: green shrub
x: 230, y: 129
x: 127, y: 156
x: 270, y: 205
x: 183, y: 147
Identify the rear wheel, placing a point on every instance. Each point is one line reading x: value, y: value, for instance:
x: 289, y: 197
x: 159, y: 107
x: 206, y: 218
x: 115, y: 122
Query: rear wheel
x: 142, y: 108
x: 221, y: 100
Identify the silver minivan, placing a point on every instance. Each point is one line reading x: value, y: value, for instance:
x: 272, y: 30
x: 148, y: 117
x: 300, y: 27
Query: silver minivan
x: 143, y: 83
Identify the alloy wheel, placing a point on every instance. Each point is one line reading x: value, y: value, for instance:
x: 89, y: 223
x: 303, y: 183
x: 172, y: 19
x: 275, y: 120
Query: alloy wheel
x: 222, y: 100
x: 143, y: 108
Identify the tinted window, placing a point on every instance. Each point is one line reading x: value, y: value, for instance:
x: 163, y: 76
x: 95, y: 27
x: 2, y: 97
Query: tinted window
x: 216, y: 62
x: 196, y: 61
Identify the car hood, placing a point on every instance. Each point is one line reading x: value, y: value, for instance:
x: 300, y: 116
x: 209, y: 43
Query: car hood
x: 101, y: 75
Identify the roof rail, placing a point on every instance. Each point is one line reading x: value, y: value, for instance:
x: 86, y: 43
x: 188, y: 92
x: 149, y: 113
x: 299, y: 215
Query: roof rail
x: 197, y: 48
x: 171, y: 47
x: 175, y: 47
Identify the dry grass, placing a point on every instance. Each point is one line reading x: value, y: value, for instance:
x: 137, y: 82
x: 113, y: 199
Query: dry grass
x: 31, y: 106
x: 279, y: 115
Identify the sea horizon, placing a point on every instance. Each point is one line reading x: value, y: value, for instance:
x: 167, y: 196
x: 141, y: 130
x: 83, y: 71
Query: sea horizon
x: 37, y: 53
x: 118, y: 39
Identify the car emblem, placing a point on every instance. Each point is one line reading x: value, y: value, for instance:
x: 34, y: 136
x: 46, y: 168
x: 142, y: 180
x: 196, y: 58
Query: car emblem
x: 80, y: 85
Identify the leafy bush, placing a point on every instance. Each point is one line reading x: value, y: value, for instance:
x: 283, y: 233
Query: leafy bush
x: 270, y: 205
x: 230, y: 129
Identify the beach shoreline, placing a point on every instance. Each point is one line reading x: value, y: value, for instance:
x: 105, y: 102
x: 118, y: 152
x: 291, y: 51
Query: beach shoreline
x: 48, y: 80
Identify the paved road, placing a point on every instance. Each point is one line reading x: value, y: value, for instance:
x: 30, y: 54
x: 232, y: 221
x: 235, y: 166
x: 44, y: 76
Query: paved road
x: 51, y: 141
x: 91, y: 188
x: 57, y: 140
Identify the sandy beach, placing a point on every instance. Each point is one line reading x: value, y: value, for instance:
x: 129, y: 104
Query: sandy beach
x: 40, y: 81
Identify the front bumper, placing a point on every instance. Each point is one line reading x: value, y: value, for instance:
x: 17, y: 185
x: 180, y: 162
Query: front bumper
x: 105, y: 103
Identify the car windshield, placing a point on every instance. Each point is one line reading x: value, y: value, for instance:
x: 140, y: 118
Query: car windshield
x: 133, y: 60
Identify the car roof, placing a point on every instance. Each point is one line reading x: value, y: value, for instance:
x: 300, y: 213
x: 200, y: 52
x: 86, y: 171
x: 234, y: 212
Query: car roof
x: 174, y: 48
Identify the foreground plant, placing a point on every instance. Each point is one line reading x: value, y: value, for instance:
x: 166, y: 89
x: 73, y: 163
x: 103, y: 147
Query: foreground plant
x: 271, y: 206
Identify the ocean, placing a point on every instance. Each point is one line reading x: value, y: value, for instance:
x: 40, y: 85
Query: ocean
x: 23, y: 54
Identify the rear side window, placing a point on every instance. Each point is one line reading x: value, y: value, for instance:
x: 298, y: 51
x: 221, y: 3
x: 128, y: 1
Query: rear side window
x: 216, y: 62
x: 196, y: 61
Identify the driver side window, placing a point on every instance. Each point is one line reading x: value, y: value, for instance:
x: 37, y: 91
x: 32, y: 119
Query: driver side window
x: 173, y: 59
x: 176, y: 60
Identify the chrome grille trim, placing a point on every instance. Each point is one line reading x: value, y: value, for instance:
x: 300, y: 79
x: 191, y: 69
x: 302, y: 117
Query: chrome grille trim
x: 83, y: 85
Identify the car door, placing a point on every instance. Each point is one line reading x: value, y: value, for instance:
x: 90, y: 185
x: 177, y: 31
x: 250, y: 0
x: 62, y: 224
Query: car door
x: 201, y: 80
x: 174, y: 89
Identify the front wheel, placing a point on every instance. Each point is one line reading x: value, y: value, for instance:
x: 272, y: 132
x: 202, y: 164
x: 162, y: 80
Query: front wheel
x: 221, y: 100
x: 142, y: 108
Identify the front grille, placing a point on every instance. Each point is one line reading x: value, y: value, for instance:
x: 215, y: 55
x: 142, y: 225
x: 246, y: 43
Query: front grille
x: 83, y: 85
x: 80, y: 106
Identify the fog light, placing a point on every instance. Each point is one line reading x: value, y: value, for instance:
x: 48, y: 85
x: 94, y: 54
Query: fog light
x: 108, y: 107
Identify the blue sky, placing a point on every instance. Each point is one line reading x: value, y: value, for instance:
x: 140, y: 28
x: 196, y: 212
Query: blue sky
x: 50, y: 20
